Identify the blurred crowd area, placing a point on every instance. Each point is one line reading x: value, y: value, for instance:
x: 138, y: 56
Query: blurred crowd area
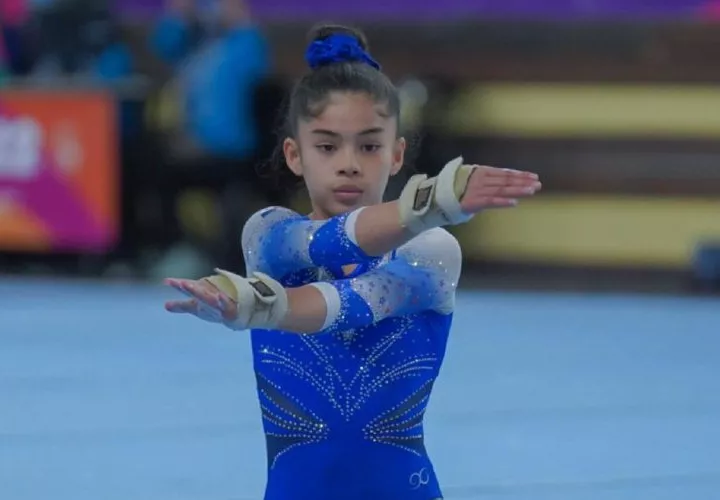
x: 134, y: 134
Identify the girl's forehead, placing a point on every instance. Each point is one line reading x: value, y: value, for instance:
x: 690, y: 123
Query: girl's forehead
x: 350, y: 112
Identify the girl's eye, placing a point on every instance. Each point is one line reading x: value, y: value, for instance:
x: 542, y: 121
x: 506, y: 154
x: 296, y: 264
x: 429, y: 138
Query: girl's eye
x: 326, y: 148
x: 371, y: 148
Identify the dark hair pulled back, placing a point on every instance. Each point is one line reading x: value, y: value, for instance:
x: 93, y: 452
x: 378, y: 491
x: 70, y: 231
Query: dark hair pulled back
x: 339, y: 61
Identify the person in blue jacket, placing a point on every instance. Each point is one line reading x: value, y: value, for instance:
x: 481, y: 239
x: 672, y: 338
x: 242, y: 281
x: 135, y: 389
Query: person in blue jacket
x: 217, y: 70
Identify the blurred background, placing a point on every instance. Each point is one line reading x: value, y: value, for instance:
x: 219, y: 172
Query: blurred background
x: 133, y: 136
x: 134, y: 132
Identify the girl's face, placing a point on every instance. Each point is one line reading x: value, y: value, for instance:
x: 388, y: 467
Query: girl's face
x: 347, y: 154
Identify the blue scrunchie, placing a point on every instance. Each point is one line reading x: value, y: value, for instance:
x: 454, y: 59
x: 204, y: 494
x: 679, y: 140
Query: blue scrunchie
x: 337, y: 49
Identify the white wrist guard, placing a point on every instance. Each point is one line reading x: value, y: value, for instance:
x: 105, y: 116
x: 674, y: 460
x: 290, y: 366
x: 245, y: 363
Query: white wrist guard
x: 261, y: 301
x: 427, y: 203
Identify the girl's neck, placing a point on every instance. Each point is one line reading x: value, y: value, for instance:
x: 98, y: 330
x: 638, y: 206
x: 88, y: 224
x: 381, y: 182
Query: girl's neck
x: 314, y: 215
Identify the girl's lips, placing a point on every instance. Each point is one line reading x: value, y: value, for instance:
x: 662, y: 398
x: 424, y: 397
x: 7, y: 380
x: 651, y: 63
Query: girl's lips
x: 347, y: 193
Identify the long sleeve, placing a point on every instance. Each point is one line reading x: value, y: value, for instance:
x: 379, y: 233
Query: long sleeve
x: 278, y: 241
x: 422, y: 276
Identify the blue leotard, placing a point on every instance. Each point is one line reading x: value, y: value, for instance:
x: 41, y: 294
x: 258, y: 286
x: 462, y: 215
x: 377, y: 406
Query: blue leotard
x: 343, y: 409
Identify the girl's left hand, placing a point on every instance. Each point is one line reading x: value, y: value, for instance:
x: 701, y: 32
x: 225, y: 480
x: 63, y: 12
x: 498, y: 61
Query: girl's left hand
x: 492, y: 187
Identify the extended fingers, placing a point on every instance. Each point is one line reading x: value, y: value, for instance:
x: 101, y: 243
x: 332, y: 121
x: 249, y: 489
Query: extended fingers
x: 509, y: 181
x: 506, y: 173
x: 182, y: 306
x: 491, y: 187
x: 508, y: 191
x: 204, y: 300
x: 482, y: 192
x: 495, y: 182
x: 199, y: 292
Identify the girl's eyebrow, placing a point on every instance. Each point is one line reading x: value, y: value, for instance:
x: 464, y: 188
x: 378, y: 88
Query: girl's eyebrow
x: 369, y: 131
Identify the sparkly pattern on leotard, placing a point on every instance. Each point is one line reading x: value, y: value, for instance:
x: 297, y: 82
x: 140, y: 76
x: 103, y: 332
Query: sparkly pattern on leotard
x: 343, y: 409
x: 279, y: 240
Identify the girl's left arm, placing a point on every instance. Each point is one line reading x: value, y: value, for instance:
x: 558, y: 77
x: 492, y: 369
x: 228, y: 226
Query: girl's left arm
x: 423, y: 276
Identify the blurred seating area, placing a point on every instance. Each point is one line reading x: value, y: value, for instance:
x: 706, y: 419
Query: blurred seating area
x: 134, y: 133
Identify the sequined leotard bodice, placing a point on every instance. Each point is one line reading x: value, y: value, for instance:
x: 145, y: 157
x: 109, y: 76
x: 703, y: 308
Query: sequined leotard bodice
x: 343, y: 409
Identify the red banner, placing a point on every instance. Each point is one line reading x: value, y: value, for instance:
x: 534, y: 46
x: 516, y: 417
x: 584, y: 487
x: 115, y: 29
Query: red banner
x: 59, y: 182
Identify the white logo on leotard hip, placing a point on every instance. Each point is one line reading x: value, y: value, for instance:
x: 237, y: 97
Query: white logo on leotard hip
x: 420, y: 478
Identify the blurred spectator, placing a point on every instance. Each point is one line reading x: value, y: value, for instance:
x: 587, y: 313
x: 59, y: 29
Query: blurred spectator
x: 13, y: 18
x: 218, y: 67
x: 80, y: 38
x: 209, y: 112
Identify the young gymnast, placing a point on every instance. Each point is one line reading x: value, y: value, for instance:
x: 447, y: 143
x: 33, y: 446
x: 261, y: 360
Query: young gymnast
x: 350, y: 307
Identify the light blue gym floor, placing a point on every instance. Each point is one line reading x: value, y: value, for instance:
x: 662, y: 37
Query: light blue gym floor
x: 104, y: 396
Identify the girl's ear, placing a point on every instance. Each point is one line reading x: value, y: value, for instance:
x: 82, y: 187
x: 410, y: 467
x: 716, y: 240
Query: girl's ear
x: 398, y: 156
x: 291, y: 150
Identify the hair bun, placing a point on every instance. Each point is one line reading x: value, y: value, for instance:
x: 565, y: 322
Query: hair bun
x: 334, y: 44
x: 321, y: 31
